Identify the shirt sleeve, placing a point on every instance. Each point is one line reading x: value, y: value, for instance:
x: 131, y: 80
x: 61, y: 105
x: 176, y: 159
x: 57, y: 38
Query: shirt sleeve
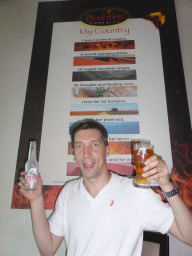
x: 155, y: 214
x: 56, y: 220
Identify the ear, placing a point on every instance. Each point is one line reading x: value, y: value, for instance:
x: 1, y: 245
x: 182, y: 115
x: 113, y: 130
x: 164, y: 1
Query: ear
x: 107, y: 150
x: 72, y: 151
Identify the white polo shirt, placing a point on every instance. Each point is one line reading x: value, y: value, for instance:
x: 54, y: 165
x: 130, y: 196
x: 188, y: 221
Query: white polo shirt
x: 111, y: 224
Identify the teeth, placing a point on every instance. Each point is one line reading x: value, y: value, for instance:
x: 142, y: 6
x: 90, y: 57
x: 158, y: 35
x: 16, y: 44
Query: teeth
x: 88, y: 164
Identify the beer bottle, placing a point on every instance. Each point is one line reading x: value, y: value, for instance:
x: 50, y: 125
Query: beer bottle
x: 32, y: 168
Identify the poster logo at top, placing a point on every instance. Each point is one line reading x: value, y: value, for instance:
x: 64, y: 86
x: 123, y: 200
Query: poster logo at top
x: 104, y: 16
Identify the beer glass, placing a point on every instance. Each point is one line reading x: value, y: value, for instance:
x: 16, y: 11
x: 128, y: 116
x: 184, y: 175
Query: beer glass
x: 141, y: 151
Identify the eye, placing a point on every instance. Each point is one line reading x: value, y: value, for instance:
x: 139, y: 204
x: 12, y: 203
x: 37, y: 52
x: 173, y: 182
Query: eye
x: 95, y: 144
x: 78, y: 147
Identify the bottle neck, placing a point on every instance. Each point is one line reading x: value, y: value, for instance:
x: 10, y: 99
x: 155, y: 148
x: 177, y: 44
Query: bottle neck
x: 32, y: 150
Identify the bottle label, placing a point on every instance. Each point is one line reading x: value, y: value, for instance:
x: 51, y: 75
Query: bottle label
x: 32, y: 175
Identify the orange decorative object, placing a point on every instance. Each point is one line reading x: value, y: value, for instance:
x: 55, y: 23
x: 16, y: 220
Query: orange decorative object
x: 157, y: 18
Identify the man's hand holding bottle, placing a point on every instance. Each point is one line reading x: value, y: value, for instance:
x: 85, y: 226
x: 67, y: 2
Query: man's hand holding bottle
x: 31, y: 195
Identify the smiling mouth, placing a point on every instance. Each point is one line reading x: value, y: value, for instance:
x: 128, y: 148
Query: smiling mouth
x: 88, y: 165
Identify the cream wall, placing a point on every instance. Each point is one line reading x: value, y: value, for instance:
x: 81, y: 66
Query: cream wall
x: 17, y: 24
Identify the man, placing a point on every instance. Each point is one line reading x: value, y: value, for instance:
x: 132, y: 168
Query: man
x: 101, y: 213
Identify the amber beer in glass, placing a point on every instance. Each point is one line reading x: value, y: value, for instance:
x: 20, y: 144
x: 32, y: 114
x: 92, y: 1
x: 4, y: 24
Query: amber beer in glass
x: 141, y: 152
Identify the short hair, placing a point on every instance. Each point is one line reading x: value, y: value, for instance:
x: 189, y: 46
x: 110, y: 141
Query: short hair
x: 85, y: 125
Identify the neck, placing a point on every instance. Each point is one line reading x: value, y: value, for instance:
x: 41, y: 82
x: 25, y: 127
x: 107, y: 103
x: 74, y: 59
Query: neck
x: 94, y: 186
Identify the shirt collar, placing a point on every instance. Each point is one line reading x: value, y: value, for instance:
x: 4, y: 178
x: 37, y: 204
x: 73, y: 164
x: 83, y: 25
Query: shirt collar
x: 113, y: 183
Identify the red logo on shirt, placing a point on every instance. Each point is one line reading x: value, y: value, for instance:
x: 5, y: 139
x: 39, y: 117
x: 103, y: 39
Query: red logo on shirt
x: 112, y: 202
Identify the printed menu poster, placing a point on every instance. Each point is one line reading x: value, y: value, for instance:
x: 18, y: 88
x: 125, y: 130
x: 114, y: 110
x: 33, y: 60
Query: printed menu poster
x: 119, y: 65
x: 111, y: 74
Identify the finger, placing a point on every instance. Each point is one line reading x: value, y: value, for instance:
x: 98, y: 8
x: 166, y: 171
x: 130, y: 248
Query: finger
x: 156, y: 176
x: 160, y: 170
x: 20, y: 184
x: 150, y: 165
x: 153, y: 162
x: 150, y: 172
x: 159, y: 177
x: 151, y: 159
x: 24, y: 192
x: 22, y: 179
x: 22, y: 187
x: 23, y: 173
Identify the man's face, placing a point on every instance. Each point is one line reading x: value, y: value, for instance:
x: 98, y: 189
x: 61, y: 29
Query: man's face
x: 90, y: 153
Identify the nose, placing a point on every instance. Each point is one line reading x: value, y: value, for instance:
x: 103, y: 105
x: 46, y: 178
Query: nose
x: 87, y: 151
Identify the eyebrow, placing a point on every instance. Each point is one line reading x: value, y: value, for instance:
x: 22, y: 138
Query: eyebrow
x: 77, y: 142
